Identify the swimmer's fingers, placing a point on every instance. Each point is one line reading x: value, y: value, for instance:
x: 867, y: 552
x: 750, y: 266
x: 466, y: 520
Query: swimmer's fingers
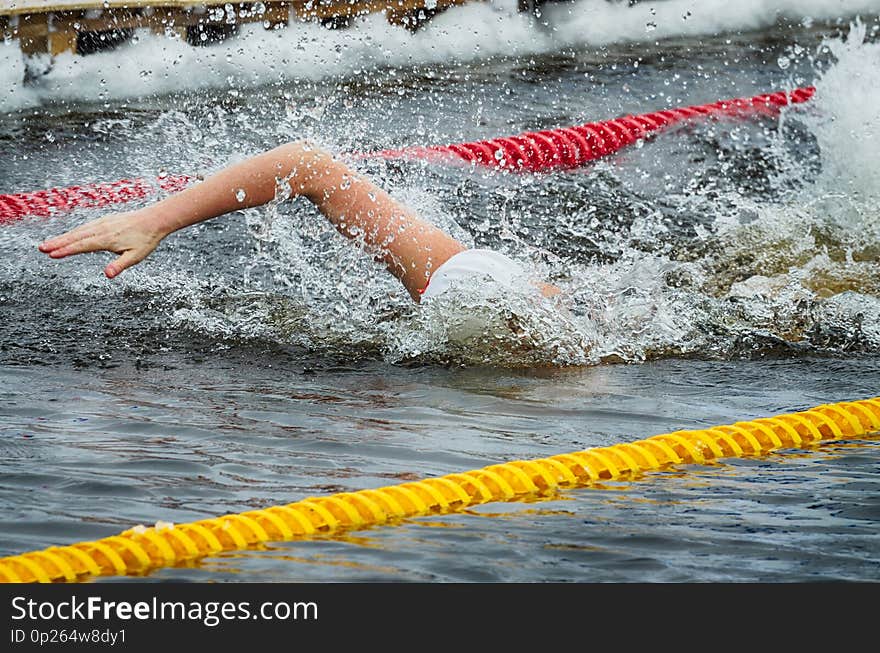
x: 128, y: 258
x: 87, y: 243
x: 102, y: 228
x: 108, y: 227
x: 54, y: 244
x: 126, y: 234
x: 128, y: 255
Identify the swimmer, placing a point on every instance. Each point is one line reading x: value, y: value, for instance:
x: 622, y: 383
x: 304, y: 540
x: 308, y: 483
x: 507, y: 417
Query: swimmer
x: 423, y: 257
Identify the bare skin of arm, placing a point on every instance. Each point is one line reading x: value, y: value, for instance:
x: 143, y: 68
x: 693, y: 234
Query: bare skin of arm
x: 410, y: 247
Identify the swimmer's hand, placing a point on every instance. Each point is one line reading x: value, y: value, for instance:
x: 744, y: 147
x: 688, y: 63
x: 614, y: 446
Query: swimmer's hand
x: 132, y: 235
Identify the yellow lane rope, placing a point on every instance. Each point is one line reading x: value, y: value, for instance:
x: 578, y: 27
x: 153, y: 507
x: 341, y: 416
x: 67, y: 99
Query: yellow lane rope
x: 140, y: 550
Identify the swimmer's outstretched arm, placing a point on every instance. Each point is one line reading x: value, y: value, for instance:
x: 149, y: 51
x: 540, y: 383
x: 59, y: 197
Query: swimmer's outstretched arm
x: 409, y: 246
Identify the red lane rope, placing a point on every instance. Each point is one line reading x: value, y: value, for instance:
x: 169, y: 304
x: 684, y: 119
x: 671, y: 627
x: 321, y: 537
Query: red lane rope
x: 551, y: 149
x: 43, y: 203
x: 570, y: 147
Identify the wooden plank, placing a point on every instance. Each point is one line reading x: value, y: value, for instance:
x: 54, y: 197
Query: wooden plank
x: 38, y: 33
x: 62, y: 40
x: 277, y: 14
x: 156, y: 20
x: 33, y: 35
x: 47, y: 6
x: 302, y: 8
x: 407, y: 12
x: 36, y: 36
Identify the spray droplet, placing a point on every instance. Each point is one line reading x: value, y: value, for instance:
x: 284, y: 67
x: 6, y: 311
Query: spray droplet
x: 650, y: 27
x: 784, y: 62
x: 240, y: 195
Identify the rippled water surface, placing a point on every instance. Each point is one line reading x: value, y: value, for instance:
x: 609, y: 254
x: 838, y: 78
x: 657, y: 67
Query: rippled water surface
x: 720, y: 271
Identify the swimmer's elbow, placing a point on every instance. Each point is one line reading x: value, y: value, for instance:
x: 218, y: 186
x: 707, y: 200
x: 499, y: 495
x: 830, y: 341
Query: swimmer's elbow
x: 303, y: 150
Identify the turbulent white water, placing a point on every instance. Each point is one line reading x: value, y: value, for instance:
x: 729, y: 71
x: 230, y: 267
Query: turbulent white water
x: 154, y: 65
x: 795, y: 267
x: 798, y: 270
x: 845, y: 120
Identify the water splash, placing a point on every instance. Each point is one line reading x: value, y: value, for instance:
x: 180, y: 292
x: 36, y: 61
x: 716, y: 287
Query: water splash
x: 155, y: 65
x: 762, y: 241
x: 846, y: 115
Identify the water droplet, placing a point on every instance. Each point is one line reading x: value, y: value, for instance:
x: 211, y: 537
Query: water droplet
x: 240, y: 195
x: 650, y: 27
x: 784, y: 62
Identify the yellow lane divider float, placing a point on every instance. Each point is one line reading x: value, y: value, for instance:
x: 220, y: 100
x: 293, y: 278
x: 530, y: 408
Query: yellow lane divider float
x: 139, y: 550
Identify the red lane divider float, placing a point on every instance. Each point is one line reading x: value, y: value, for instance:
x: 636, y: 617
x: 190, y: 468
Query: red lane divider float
x: 571, y: 147
x: 43, y: 203
x: 551, y: 149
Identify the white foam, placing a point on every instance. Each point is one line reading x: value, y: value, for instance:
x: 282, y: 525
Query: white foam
x: 600, y: 23
x: 848, y: 131
x: 154, y: 64
x: 13, y: 94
